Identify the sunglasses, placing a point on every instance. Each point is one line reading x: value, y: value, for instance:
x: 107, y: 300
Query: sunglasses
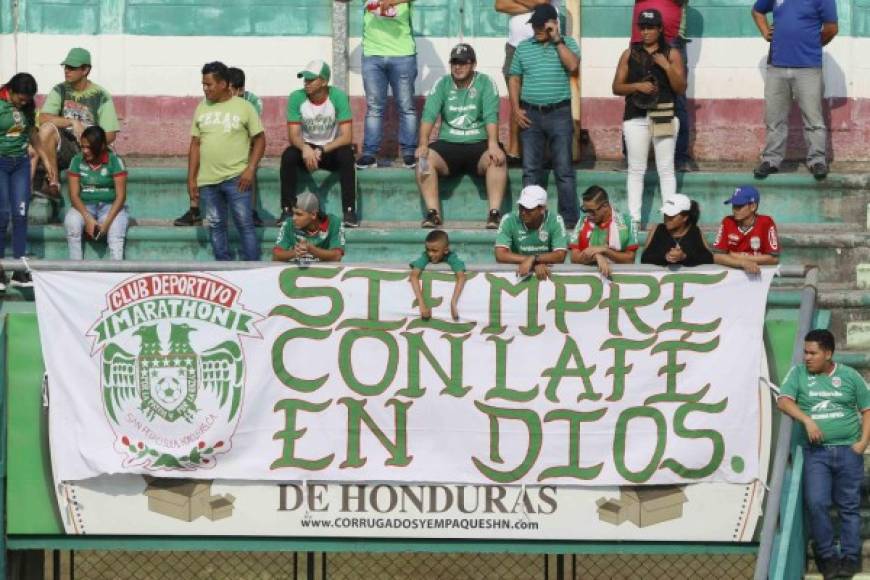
x: 68, y: 67
x: 591, y: 210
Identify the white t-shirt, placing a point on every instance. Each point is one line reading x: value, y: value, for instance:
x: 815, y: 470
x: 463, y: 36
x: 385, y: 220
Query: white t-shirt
x: 519, y: 28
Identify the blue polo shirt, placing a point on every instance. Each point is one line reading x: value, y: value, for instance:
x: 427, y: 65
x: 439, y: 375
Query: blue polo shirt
x: 797, y: 31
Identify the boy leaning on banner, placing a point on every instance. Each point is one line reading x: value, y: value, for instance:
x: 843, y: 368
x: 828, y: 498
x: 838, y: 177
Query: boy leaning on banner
x: 309, y: 235
x: 437, y: 251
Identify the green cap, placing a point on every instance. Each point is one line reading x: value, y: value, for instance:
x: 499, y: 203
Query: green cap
x: 313, y: 70
x: 77, y: 57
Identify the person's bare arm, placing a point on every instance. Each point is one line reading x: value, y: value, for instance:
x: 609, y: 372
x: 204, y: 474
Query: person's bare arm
x: 829, y: 31
x: 763, y: 26
x: 75, y: 199
x: 193, y: 170
x: 515, y: 88
x: 258, y: 148
x: 673, y: 67
x: 111, y: 136
x: 309, y: 156
x: 621, y: 86
x: 788, y: 406
x: 118, y: 204
x: 425, y: 132
x: 861, y: 445
x: 514, y: 7
x: 761, y: 260
x: 325, y: 254
x: 569, y: 59
x: 279, y: 254
x: 416, y: 286
x: 461, y: 277
x: 344, y: 137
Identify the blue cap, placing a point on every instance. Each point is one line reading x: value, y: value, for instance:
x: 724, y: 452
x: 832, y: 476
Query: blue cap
x: 743, y: 195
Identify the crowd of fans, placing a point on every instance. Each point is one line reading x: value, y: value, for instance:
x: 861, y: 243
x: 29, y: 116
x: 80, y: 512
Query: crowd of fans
x: 77, y: 124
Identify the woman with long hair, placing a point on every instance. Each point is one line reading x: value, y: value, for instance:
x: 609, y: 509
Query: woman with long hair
x: 649, y: 75
x: 678, y: 241
x: 17, y: 129
x: 97, y: 181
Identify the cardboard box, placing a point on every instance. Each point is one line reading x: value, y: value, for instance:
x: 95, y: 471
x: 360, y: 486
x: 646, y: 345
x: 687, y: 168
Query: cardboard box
x: 182, y: 499
x: 647, y: 506
x: 611, y: 511
x: 220, y: 507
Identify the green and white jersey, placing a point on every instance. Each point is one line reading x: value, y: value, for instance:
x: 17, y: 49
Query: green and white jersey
x: 255, y: 101
x: 833, y: 401
x: 14, y: 129
x: 465, y: 112
x: 224, y: 130
x: 97, y: 182
x: 92, y: 106
x: 319, y: 121
x: 515, y: 236
x: 329, y: 236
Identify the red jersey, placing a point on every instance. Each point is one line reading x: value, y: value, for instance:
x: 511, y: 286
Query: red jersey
x: 760, y: 239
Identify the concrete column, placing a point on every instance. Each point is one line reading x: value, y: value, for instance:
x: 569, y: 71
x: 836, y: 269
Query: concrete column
x: 340, y: 60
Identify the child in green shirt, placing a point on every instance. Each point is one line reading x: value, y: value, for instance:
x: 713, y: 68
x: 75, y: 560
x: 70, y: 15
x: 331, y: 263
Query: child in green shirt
x: 437, y: 251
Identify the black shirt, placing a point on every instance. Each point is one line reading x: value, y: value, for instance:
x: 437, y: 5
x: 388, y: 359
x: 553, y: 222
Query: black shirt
x: 641, y: 67
x: 692, y: 244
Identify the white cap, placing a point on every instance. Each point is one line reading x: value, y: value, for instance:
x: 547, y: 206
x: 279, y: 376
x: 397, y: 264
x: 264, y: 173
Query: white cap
x: 676, y: 204
x: 532, y: 196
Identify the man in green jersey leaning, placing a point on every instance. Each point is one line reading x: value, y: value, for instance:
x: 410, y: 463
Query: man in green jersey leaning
x: 532, y: 237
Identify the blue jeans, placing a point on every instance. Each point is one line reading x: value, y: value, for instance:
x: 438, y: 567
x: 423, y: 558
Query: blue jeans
x: 681, y: 110
x: 556, y: 129
x: 218, y: 198
x: 399, y: 72
x: 14, y: 200
x: 74, y: 223
x: 834, y: 473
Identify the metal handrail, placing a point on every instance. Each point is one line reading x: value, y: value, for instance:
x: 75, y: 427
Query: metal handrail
x: 200, y: 266
x: 782, y: 453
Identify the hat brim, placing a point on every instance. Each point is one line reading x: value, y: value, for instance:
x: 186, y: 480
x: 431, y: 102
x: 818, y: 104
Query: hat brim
x: 307, y: 75
x: 671, y: 211
x: 74, y: 63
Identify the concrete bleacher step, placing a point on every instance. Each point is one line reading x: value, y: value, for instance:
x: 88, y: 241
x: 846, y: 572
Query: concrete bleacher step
x: 817, y: 576
x: 832, y: 251
x: 391, y: 194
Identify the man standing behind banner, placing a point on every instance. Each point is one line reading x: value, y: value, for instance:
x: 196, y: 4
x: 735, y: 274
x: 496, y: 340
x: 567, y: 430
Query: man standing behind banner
x: 519, y: 30
x: 226, y: 145
x: 531, y: 237
x: 605, y: 235
x: 540, y: 95
x: 832, y: 402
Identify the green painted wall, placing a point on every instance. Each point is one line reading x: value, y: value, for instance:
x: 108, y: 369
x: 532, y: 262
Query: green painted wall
x: 438, y: 18
x: 30, y: 504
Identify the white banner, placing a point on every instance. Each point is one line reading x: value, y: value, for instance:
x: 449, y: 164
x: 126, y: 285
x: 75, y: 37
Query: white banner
x: 328, y: 374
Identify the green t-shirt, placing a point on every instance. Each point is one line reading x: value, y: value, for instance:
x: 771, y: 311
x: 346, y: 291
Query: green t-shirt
x: 833, y: 401
x: 466, y: 112
x: 14, y: 130
x: 387, y: 34
x: 329, y: 236
x: 224, y: 130
x: 256, y: 101
x: 319, y: 121
x: 451, y: 259
x: 92, y: 106
x: 545, y: 80
x: 97, y: 181
x: 515, y: 236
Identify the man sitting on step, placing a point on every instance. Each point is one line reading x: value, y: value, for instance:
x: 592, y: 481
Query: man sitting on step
x: 467, y: 102
x: 319, y: 129
x: 832, y: 402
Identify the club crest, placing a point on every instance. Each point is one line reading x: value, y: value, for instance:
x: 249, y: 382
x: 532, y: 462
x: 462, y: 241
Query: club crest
x: 172, y: 368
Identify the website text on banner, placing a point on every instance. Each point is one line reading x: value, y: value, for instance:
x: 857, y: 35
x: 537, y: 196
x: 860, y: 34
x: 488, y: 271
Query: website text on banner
x: 327, y: 374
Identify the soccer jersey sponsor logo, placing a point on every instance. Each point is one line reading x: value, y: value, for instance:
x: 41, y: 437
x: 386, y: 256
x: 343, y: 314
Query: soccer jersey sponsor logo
x: 772, y: 240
